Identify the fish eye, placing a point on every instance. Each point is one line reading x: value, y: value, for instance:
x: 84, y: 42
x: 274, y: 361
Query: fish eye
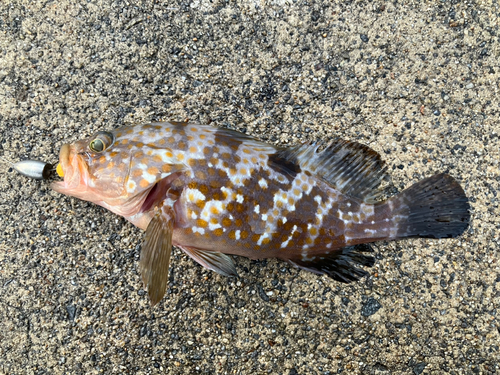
x: 101, y: 141
x: 97, y: 145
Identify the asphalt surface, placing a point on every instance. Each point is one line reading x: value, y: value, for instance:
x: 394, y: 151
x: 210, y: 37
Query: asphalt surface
x: 417, y: 81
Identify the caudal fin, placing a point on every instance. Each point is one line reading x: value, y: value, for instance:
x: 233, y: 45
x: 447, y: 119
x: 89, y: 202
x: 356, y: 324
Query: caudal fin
x: 435, y: 207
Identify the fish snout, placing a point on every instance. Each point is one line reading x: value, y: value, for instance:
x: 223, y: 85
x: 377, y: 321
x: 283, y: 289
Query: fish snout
x: 72, y: 168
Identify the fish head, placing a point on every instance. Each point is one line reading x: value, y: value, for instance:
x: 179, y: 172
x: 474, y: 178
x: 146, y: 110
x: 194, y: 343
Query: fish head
x: 114, y: 169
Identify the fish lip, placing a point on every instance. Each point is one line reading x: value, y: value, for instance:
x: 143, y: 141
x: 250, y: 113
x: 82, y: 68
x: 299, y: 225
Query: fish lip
x: 64, y: 156
x: 74, y: 168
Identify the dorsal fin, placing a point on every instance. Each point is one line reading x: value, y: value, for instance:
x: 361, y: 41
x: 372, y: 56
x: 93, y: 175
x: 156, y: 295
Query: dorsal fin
x: 350, y: 167
x: 234, y: 137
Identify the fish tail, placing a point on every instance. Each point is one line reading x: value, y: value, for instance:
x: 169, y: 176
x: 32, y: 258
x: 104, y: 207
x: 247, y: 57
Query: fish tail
x: 435, y: 207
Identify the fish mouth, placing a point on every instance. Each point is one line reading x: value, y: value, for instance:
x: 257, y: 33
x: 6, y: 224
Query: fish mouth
x: 72, y: 168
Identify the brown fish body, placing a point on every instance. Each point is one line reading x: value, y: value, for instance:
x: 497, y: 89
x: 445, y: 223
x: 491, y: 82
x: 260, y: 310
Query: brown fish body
x: 270, y: 219
x: 214, y: 191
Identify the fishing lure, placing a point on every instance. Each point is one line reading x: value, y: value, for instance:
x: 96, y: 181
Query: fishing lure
x: 36, y: 169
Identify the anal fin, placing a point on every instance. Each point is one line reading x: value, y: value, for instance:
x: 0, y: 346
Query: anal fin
x: 155, y: 253
x: 340, y: 265
x: 212, y: 260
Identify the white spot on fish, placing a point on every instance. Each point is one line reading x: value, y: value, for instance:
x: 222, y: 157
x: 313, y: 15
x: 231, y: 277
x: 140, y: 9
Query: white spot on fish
x: 161, y: 154
x: 213, y: 227
x: 209, y: 206
x: 194, y: 195
x: 263, y: 183
x: 239, y: 198
x: 131, y: 186
x: 262, y: 237
x: 198, y: 230
x: 151, y: 178
x: 285, y: 243
x: 237, y: 234
x: 264, y: 217
x: 367, y: 209
x: 256, y: 209
x: 226, y: 191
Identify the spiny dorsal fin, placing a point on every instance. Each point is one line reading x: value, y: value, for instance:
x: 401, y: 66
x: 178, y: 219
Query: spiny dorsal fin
x: 350, y: 167
x: 229, y: 137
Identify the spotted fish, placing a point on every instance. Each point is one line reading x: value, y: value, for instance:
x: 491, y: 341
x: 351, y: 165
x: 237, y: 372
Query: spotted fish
x: 213, y: 192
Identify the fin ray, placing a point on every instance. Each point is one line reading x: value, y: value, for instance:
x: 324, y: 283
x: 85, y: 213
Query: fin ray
x: 435, y: 207
x: 340, y: 264
x: 352, y: 168
x: 155, y: 255
x: 212, y: 260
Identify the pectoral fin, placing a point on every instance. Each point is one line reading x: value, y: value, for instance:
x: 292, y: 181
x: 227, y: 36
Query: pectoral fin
x: 155, y: 253
x: 215, y: 261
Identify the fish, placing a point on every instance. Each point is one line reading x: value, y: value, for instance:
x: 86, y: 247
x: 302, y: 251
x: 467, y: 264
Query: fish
x: 215, y: 192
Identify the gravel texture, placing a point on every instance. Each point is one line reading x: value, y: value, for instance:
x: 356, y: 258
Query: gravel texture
x: 417, y: 81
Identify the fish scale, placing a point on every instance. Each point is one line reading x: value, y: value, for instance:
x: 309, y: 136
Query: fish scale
x: 213, y: 192
x: 274, y: 199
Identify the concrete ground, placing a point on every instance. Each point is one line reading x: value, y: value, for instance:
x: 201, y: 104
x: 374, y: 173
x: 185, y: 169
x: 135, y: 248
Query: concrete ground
x: 418, y: 81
